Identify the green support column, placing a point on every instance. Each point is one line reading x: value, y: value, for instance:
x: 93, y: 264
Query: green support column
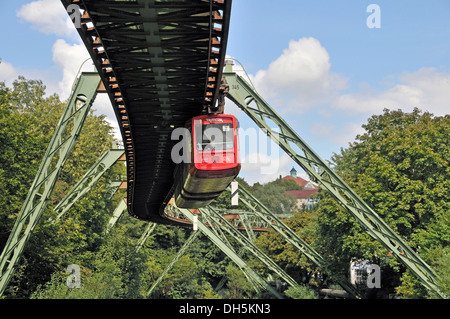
x: 219, y: 232
x: 243, y: 94
x: 147, y: 232
x: 59, y: 148
x: 120, y: 208
x: 243, y: 218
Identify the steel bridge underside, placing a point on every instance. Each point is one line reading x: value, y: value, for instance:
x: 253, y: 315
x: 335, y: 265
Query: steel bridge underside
x: 161, y: 63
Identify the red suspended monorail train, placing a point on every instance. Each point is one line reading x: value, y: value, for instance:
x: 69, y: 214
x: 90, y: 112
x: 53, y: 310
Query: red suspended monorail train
x: 213, y: 161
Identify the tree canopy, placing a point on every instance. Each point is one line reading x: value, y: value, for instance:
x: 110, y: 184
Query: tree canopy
x: 399, y: 166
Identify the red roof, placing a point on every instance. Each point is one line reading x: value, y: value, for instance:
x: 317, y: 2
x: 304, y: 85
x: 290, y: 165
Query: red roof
x: 304, y: 193
x: 300, y: 181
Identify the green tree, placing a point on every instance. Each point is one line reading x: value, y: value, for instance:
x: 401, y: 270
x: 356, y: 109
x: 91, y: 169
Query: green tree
x: 301, y: 292
x: 273, y: 195
x: 286, y: 255
x: 400, y: 167
x: 238, y: 285
x: 28, y: 119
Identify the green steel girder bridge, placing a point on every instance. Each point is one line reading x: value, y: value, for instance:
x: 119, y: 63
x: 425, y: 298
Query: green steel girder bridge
x: 162, y: 63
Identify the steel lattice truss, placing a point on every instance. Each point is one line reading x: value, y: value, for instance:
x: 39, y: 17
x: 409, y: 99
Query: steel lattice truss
x: 245, y: 96
x: 161, y: 63
x: 85, y: 88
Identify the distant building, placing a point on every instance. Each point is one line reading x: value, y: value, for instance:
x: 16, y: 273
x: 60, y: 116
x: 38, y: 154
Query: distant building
x: 358, y: 271
x: 303, y: 196
x: 299, y: 181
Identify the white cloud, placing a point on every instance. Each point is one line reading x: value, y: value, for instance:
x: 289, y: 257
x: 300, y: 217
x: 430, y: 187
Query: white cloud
x: 8, y: 73
x: 347, y: 133
x: 426, y: 89
x: 340, y: 133
x: 102, y: 105
x: 47, y: 16
x: 322, y: 129
x: 50, y: 17
x: 69, y: 58
x: 300, y: 77
x: 259, y: 167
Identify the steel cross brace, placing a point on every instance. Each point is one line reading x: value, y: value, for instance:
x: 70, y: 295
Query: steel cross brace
x: 219, y: 231
x: 291, y: 237
x: 78, y: 106
x: 219, y: 220
x: 242, y: 94
x: 247, y: 224
x: 229, y: 251
x: 220, y: 236
x: 180, y: 253
x: 147, y: 232
x: 247, y: 221
x: 88, y: 180
x: 120, y: 208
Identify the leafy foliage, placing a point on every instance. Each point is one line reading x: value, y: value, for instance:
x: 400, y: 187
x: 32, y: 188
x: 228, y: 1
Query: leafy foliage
x: 400, y: 166
x: 28, y: 119
x: 301, y: 292
x: 273, y: 195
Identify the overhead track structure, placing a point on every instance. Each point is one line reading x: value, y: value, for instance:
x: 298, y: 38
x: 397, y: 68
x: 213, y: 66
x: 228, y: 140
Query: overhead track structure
x: 161, y: 63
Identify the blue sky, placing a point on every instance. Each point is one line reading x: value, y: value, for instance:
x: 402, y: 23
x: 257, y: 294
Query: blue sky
x: 412, y: 34
x: 316, y: 62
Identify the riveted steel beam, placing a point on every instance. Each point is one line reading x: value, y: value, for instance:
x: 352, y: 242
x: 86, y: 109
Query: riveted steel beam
x: 120, y: 208
x: 161, y: 62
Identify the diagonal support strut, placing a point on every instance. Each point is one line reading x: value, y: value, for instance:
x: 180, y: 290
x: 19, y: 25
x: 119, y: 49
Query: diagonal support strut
x: 83, y: 94
x: 242, y: 94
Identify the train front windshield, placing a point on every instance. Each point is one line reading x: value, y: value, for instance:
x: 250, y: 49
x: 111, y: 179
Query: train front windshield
x: 214, y: 136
